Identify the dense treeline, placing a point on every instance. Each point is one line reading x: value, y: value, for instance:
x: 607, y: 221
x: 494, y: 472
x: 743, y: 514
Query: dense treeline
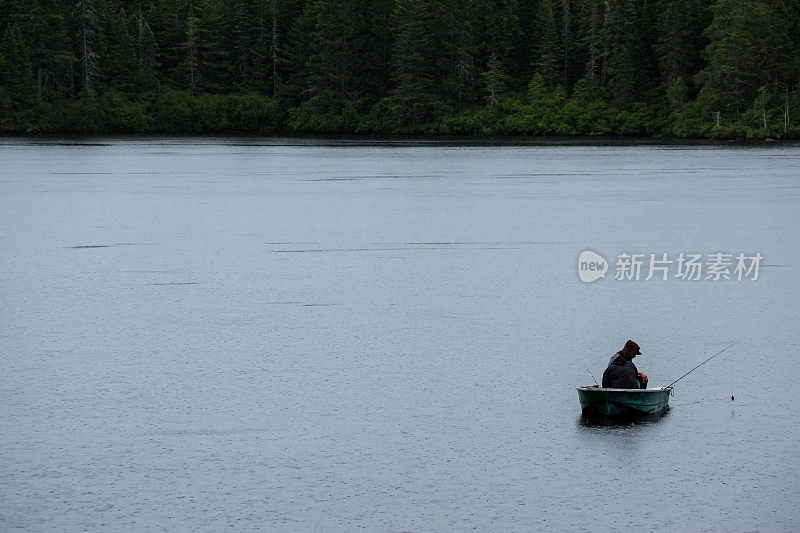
x: 532, y: 67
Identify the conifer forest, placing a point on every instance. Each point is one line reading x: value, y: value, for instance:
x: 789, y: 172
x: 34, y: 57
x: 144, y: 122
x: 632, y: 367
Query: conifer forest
x: 666, y: 68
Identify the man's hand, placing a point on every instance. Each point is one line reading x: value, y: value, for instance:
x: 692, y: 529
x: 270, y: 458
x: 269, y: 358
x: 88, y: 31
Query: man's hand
x: 643, y: 377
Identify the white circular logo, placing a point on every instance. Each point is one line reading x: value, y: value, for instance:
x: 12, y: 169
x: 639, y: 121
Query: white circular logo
x: 591, y: 266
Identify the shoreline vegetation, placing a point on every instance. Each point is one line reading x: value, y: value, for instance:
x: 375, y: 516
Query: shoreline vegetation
x: 427, y: 68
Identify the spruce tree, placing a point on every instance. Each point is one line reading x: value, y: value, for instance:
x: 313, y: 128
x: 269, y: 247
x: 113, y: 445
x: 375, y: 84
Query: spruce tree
x: 537, y: 88
x: 86, y: 23
x: 592, y: 38
x: 456, y: 66
x: 680, y: 39
x: 215, y: 51
x: 567, y: 39
x: 280, y: 46
x: 169, y: 20
x: 373, y: 43
x: 501, y: 33
x: 548, y: 55
x: 191, y: 61
x: 47, y: 27
x: 495, y: 80
x: 297, y: 54
x: 16, y: 74
x: 333, y: 58
x: 747, y: 49
x: 117, y: 62
x: 412, y: 61
x: 147, y: 54
x: 619, y: 69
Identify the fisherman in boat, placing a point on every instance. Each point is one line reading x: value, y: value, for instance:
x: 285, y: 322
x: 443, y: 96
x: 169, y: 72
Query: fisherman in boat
x: 621, y: 372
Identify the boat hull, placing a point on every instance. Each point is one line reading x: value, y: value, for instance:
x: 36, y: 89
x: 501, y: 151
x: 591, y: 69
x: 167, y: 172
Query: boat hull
x: 598, y: 402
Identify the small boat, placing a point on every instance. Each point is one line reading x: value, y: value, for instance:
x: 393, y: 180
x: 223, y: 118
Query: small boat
x: 598, y: 402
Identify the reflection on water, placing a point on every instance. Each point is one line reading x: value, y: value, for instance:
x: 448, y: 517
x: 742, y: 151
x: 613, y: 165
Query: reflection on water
x: 621, y: 421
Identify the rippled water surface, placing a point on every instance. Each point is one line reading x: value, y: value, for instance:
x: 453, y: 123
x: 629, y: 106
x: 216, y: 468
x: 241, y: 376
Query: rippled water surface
x: 285, y: 334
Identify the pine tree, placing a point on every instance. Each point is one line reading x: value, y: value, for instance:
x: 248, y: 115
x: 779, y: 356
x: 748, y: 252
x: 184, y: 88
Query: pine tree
x: 537, y: 88
x: 592, y: 38
x: 16, y: 69
x: 46, y: 27
x: 298, y: 51
x: 412, y: 61
x: 169, y: 20
x: 238, y: 33
x: 457, y: 64
x: 206, y: 64
x: 619, y: 69
x: 264, y: 56
x: 191, y: 62
x: 349, y: 52
x: 566, y: 38
x: 215, y: 50
x: 495, y: 80
x: 787, y: 15
x: 548, y: 51
x: 280, y: 46
x: 680, y: 39
x: 87, y: 22
x: 332, y: 62
x: 760, y: 106
x: 274, y: 55
x: 677, y: 93
x: 118, y: 60
x: 373, y: 44
x: 501, y: 33
x: 147, y: 53
x: 747, y: 49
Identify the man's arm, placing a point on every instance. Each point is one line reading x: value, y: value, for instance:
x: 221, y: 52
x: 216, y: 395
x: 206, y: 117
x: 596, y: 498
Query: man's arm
x: 630, y: 376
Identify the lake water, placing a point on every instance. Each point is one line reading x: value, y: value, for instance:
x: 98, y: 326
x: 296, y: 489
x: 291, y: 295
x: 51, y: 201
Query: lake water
x: 283, y: 334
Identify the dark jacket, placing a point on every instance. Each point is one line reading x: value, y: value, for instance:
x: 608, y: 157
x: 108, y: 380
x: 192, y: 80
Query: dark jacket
x: 621, y: 374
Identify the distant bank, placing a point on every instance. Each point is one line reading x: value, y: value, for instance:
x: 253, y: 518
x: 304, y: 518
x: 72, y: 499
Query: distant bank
x: 550, y: 113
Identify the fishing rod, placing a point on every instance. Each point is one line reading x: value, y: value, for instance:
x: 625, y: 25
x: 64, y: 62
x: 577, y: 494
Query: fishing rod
x: 590, y: 373
x: 698, y: 366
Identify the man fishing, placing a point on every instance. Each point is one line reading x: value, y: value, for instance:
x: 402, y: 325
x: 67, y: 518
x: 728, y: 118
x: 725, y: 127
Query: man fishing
x: 621, y: 372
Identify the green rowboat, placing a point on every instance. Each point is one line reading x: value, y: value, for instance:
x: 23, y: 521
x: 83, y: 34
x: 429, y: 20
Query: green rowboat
x: 606, y: 403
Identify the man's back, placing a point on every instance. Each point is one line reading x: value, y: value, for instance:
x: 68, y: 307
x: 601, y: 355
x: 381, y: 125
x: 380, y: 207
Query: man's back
x: 620, y: 374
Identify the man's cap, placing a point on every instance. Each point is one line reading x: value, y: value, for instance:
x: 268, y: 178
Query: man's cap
x: 632, y: 347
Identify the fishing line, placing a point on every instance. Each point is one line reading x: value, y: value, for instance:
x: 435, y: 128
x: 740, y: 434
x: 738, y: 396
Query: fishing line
x: 698, y: 366
x: 731, y: 373
x: 693, y: 403
x: 704, y: 401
